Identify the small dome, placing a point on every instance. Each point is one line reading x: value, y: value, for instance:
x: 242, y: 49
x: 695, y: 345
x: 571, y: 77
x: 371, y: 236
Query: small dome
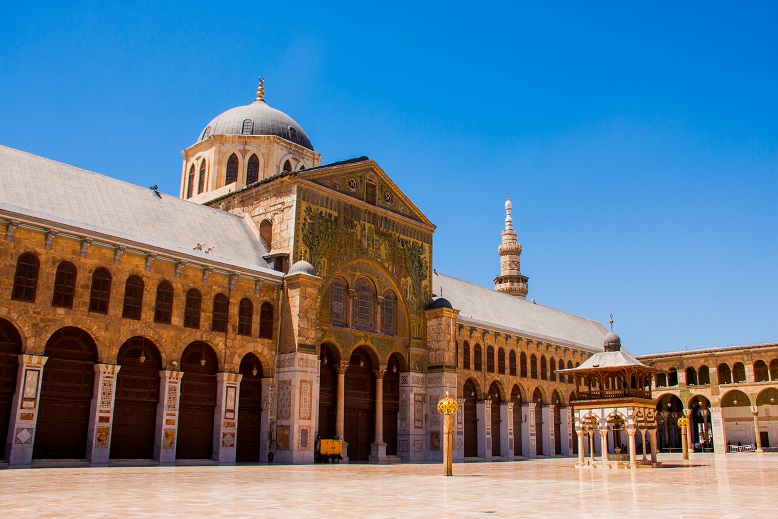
x: 256, y: 119
x: 508, y: 205
x: 302, y: 267
x: 611, y: 342
x: 439, y: 303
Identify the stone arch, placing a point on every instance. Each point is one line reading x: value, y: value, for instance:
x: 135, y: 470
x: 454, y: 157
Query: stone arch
x: 336, y: 352
x: 193, y: 336
x: 471, y: 392
x: 516, y: 391
x: 767, y: 396
x: 500, y: 390
x: 397, y: 359
x: 23, y: 326
x: 539, y: 396
x: 264, y: 354
x: 735, y: 398
x: 250, y: 403
x: 138, y: 329
x: 761, y: 371
x: 589, y: 422
x: 369, y: 350
x: 701, y: 424
x: 738, y: 373
x: 89, y: 326
x: 556, y: 398
x: 476, y: 387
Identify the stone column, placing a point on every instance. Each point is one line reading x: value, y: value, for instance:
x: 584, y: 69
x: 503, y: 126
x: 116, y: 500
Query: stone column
x: 689, y: 433
x: 459, y: 441
x: 98, y: 440
x: 340, y: 408
x: 378, y: 447
x: 350, y: 307
x: 484, y: 413
x: 719, y: 432
x: 632, y: 448
x: 604, y: 443
x: 653, y: 435
x: 266, y: 420
x: 24, y: 410
x: 379, y: 304
x: 549, y: 441
x: 643, y: 437
x: 532, y: 409
x: 225, y: 417
x: 167, y: 416
x: 506, y: 430
x: 591, y: 444
x: 755, y: 412
x: 705, y: 430
x: 580, y: 447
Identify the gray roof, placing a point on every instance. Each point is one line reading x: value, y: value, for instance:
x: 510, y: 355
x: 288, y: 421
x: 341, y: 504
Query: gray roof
x: 609, y: 359
x: 485, y: 307
x: 72, y: 198
x: 264, y: 121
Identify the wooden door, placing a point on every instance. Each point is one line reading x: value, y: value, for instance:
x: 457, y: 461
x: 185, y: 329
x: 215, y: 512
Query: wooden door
x: 137, y: 397
x: 10, y: 349
x: 539, y: 430
x: 517, y: 411
x: 198, y: 402
x: 471, y: 420
x: 391, y: 410
x: 249, y: 410
x: 328, y: 393
x: 359, y: 406
x: 494, y: 396
x: 66, y: 396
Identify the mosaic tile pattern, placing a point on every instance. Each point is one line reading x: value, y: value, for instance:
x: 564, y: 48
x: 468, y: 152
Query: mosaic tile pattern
x: 284, y: 399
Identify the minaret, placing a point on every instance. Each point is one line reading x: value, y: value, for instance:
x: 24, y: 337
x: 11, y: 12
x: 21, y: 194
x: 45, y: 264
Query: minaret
x: 510, y: 279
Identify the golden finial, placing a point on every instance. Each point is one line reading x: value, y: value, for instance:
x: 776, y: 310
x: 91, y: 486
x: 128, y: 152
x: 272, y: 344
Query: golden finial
x: 611, y: 321
x: 447, y: 405
x: 261, y: 89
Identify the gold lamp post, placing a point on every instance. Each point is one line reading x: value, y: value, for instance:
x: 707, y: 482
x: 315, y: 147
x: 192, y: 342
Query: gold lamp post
x: 683, y: 423
x: 448, y: 407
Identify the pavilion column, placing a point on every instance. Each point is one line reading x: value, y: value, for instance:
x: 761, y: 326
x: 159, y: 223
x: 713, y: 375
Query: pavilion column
x: 644, y: 436
x: 101, y: 413
x: 378, y: 447
x: 705, y: 430
x: 350, y: 307
x: 632, y: 448
x: 604, y: 443
x: 24, y: 410
x: 591, y: 444
x: 653, y: 434
x: 378, y: 306
x: 580, y: 446
x: 755, y: 412
x: 689, y: 434
x: 341, y: 403
x: 719, y: 433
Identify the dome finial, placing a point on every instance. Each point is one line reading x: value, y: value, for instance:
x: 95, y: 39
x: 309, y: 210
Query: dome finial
x: 611, y: 321
x: 261, y: 89
x: 508, y: 217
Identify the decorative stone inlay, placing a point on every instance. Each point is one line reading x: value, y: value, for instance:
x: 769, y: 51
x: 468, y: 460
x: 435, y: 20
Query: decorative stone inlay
x: 306, y: 387
x: 418, y: 411
x: 284, y: 399
x: 417, y: 445
x: 228, y: 439
x: 23, y: 436
x: 171, y: 405
x: 403, y: 446
x: 103, y: 437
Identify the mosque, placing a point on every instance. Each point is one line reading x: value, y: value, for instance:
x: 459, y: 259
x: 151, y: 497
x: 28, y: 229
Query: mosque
x: 279, y: 300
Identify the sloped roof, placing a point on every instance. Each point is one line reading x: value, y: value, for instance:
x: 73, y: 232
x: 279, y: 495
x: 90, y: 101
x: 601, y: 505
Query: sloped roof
x: 66, y: 196
x: 609, y: 359
x: 483, y: 306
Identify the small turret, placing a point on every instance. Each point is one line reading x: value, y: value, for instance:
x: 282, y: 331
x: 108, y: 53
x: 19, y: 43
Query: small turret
x: 510, y: 280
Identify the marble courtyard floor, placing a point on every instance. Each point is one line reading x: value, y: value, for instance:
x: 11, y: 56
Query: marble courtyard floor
x: 736, y: 485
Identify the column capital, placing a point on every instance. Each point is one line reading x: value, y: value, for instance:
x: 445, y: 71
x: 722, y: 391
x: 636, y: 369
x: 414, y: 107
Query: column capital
x: 171, y: 374
x: 755, y: 410
x: 379, y: 373
x: 229, y: 377
x: 107, y: 369
x: 342, y: 367
x: 32, y: 360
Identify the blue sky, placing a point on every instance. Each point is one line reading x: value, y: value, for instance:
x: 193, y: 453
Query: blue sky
x: 639, y: 143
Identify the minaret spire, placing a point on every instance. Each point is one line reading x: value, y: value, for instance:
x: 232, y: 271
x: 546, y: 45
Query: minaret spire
x: 510, y: 280
x: 261, y: 89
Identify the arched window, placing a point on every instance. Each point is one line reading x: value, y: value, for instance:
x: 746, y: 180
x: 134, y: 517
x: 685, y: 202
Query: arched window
x: 388, y: 317
x: 163, y: 307
x: 26, y: 279
x: 221, y: 313
x: 248, y: 126
x: 232, y: 170
x: 64, y: 285
x: 725, y: 375
x: 691, y: 376
x: 266, y: 321
x: 287, y: 166
x: 338, y: 303
x: 672, y: 377
x: 533, y: 366
x: 760, y: 371
x: 543, y: 368
x: 489, y: 359
x: 738, y: 373
x: 201, y: 179
x: 704, y: 376
x: 512, y: 363
x: 252, y: 170
x: 523, y: 364
x: 190, y: 182
x: 245, y: 316
x: 364, y: 306
x: 133, y: 298
x: 101, y: 291
x: 569, y: 366
x: 478, y: 358
x: 552, y: 369
x: 774, y: 369
x: 266, y: 233
x: 192, y: 306
x: 370, y: 191
x: 466, y: 356
x: 501, y: 361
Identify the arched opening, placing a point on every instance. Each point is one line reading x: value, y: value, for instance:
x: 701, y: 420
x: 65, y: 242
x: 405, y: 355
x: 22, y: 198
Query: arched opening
x: 494, y: 397
x: 328, y: 390
x: 661, y: 380
x: 389, y: 314
x: 523, y: 364
x: 392, y: 402
x: 617, y: 429
x: 552, y: 369
x: 774, y: 369
x: 702, y: 431
x: 338, y: 304
x: 266, y: 321
x: 760, y: 371
x: 10, y: 349
x: 64, y: 285
x: 533, y: 366
x: 370, y: 191
x: 691, y: 376
x: 66, y: 395
x: 477, y: 358
x: 221, y: 313
x: 266, y: 233
x: 26, y: 278
x: 570, y: 398
x: 133, y: 298
x: 163, y: 307
x: 232, y: 170
x: 735, y: 406
x: 738, y: 373
x: 669, y: 410
x: 704, y: 376
x: 537, y: 397
x: 137, y: 397
x: 198, y: 402
x: 517, y: 419
x: 725, y: 375
x: 190, y: 182
x: 543, y: 368
x: 556, y: 399
x: 364, y: 306
x: 100, y: 294
x: 249, y: 409
x: 471, y: 419
x: 192, y: 307
x: 672, y: 377
x: 245, y: 316
x: 501, y: 361
x: 512, y: 363
x: 287, y: 166
x: 767, y: 399
x: 201, y: 178
x: 252, y: 170
x: 489, y: 359
x: 570, y: 377
x: 466, y: 356
x: 359, y: 405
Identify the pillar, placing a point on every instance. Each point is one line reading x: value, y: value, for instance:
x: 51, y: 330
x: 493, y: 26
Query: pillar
x: 549, y: 442
x: 266, y: 420
x: 653, y: 435
x: 459, y: 443
x: 378, y: 447
x: 705, y: 428
x: 580, y: 447
x: 225, y: 417
x: 340, y: 413
x: 448, y: 443
x: 506, y: 430
x: 632, y: 448
x: 24, y: 410
x: 591, y: 444
x: 532, y: 408
x: 484, y: 413
x: 167, y: 416
x: 719, y: 432
x: 689, y: 433
x: 644, y: 437
x: 604, y: 443
x: 98, y: 440
x: 755, y: 412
